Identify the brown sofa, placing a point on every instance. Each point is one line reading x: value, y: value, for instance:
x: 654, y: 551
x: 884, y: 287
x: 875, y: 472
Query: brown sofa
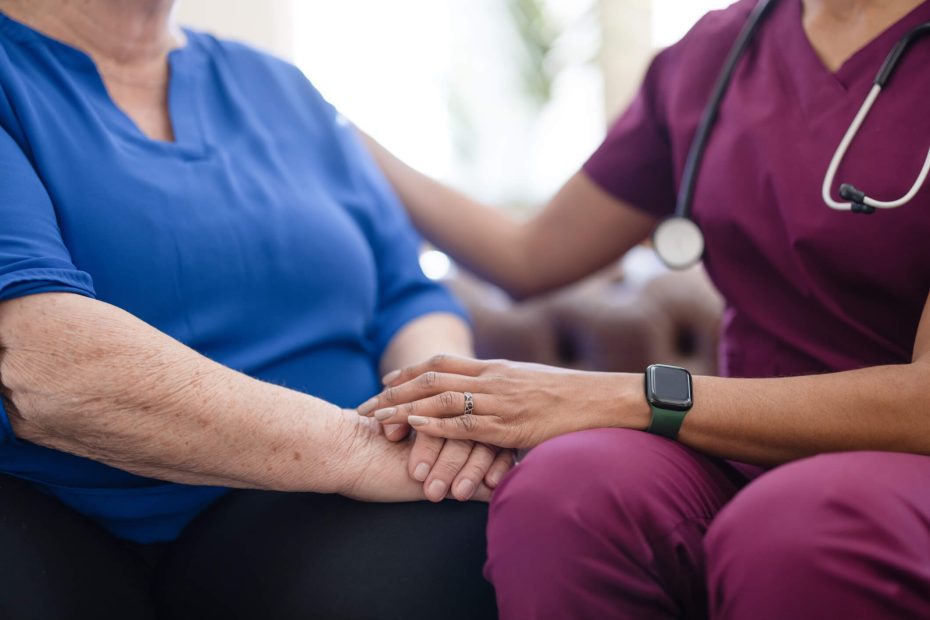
x: 613, y: 321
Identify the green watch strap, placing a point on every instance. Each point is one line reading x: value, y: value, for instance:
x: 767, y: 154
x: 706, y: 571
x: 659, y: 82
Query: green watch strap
x: 666, y: 422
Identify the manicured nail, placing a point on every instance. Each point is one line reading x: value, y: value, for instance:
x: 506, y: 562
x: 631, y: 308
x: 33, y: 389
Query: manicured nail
x: 368, y: 406
x: 390, y: 428
x: 421, y: 472
x: 466, y: 489
x: 437, y: 489
x: 383, y: 414
x: 417, y: 420
x: 389, y: 378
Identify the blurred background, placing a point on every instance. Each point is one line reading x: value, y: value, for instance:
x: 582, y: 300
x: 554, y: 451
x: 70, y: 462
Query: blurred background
x: 502, y: 98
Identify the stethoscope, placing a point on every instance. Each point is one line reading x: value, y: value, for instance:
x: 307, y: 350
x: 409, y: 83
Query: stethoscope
x: 678, y: 240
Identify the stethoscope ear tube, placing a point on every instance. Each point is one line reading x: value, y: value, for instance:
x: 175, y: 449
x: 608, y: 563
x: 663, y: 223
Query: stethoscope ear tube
x: 891, y: 62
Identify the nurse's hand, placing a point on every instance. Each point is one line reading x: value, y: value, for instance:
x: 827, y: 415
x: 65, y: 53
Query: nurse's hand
x: 516, y: 405
x: 450, y: 467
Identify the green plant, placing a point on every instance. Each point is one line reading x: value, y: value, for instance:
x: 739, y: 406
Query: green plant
x: 538, y: 34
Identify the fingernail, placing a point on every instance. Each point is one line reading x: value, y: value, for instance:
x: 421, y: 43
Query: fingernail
x: 421, y: 472
x: 466, y: 489
x: 390, y: 428
x: 366, y: 407
x: 383, y: 414
x: 389, y: 378
x: 494, y: 478
x: 437, y: 489
x: 417, y: 420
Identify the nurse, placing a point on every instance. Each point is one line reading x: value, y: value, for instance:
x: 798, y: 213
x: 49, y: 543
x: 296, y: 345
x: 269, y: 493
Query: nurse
x: 825, y: 345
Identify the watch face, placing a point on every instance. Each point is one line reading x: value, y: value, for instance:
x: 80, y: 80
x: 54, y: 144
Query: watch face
x: 669, y: 387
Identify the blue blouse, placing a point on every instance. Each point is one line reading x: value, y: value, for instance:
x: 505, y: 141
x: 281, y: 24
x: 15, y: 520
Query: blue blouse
x: 264, y: 237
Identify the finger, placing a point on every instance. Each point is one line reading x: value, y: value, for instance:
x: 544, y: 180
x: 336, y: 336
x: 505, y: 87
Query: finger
x: 473, y: 427
x: 483, y: 494
x: 396, y: 432
x: 502, y: 464
x: 430, y: 383
x: 453, y: 364
x: 472, y: 473
x: 423, y: 456
x: 442, y: 405
x: 452, y: 458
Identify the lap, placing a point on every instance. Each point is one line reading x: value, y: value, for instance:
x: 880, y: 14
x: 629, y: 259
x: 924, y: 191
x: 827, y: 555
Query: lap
x: 888, y: 490
x: 605, y: 511
x: 263, y: 554
x: 58, y: 564
x: 615, y: 472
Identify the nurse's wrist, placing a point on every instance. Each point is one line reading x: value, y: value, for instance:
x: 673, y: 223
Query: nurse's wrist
x: 631, y: 410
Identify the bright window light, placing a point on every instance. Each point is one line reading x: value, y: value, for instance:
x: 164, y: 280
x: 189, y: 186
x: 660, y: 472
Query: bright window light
x: 435, y: 264
x: 438, y: 83
x: 671, y: 19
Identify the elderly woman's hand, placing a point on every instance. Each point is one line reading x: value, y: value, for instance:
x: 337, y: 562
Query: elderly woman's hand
x: 377, y: 471
x: 449, y: 466
x: 515, y: 405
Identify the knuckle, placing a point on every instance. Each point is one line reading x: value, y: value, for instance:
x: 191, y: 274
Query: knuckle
x: 428, y: 445
x: 390, y: 395
x: 468, y: 423
x: 446, y: 469
x: 410, y: 408
x: 439, y: 359
x: 429, y: 379
x: 446, y: 400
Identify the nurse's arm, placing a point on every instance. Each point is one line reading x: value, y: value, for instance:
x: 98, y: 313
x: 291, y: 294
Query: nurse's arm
x: 581, y: 230
x: 759, y: 421
x: 771, y: 421
x: 84, y: 377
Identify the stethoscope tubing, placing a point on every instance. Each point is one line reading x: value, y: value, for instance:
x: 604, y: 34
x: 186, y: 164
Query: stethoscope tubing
x: 709, y: 117
x: 840, y: 153
x: 685, y: 201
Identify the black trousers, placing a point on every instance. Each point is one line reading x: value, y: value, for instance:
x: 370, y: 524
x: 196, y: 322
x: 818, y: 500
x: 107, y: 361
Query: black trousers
x: 254, y: 555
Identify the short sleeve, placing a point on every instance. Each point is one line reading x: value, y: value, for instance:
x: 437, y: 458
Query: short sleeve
x: 635, y: 163
x: 404, y: 291
x: 33, y: 257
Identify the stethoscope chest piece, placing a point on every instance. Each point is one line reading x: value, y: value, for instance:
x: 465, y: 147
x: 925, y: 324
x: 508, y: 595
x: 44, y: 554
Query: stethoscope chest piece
x: 679, y: 242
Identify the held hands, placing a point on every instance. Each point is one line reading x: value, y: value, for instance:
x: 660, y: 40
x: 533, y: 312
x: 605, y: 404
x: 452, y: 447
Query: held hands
x: 516, y: 405
x: 461, y: 469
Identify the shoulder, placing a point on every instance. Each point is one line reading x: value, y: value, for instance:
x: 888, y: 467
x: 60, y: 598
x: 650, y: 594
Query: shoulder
x: 237, y: 53
x: 689, y: 68
x: 711, y: 37
x: 256, y: 69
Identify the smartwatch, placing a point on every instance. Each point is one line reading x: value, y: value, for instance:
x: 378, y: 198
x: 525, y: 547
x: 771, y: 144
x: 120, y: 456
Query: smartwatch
x: 670, y: 397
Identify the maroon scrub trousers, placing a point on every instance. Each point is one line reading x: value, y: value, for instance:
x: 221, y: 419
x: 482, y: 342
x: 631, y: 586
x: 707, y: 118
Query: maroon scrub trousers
x: 620, y: 524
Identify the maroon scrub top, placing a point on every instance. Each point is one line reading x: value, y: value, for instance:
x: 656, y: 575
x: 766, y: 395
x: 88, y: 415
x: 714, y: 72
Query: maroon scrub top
x: 807, y: 289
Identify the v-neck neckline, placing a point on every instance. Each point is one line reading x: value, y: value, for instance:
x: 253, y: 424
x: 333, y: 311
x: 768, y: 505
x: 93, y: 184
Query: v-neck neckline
x: 183, y: 107
x: 856, y: 72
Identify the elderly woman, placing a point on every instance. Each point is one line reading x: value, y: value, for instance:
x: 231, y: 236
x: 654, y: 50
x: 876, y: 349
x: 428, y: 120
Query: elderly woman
x: 200, y: 268
x: 825, y: 348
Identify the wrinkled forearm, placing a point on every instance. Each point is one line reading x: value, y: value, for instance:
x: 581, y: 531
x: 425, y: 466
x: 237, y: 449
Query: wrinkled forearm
x: 87, y: 378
